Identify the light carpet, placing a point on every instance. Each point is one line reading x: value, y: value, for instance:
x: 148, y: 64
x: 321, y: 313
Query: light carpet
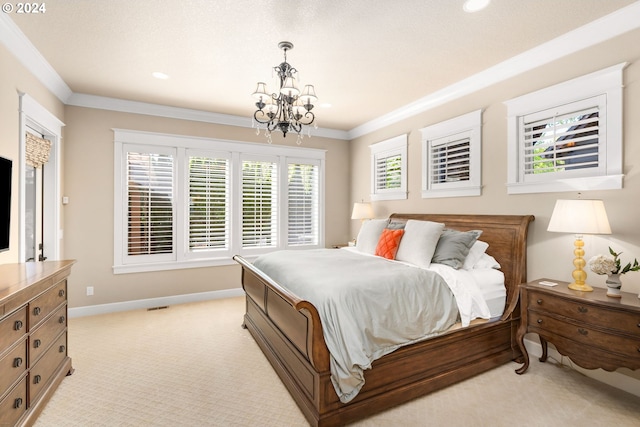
x: 193, y: 365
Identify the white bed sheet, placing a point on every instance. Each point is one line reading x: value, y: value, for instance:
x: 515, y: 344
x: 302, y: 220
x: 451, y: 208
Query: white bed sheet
x: 491, y: 284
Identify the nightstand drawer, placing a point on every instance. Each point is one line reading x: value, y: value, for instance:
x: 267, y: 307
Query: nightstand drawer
x: 585, y: 334
x: 585, y: 313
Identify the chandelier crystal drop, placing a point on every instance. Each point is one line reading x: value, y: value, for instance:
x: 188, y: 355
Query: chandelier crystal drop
x: 288, y: 110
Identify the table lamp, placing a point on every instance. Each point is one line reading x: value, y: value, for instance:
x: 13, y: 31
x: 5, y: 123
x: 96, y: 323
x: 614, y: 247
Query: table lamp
x: 579, y: 217
x: 362, y: 211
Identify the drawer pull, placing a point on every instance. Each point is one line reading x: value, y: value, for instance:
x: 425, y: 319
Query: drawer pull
x: 17, y: 403
x: 36, y: 311
x: 539, y: 320
x: 583, y: 332
x: 61, y: 293
x: 18, y: 325
x: 37, y: 343
x: 37, y: 379
x: 17, y: 362
x: 582, y: 309
x: 61, y: 319
x: 539, y: 301
x: 62, y: 349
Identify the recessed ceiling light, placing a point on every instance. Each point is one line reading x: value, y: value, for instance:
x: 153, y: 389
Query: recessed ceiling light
x: 475, y: 5
x: 159, y: 75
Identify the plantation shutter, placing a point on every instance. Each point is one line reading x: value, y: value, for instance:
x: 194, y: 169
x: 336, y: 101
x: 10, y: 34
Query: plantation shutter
x: 209, y: 202
x: 388, y: 171
x: 259, y: 204
x: 561, y: 142
x: 149, y: 203
x: 450, y: 161
x: 303, y: 204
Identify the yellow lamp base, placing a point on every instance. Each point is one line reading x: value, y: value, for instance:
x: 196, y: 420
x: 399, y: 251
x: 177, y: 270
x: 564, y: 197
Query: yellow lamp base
x: 580, y: 287
x: 579, y: 275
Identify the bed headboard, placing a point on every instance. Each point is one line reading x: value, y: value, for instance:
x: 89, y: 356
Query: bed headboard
x: 507, y: 239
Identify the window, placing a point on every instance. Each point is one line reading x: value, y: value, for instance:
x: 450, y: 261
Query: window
x: 567, y: 137
x: 451, y: 157
x: 185, y: 202
x: 303, y: 203
x: 389, y: 169
x: 209, y: 201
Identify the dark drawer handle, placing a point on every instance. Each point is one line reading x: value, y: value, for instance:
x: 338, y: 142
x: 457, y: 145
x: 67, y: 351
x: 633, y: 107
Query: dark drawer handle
x: 36, y: 311
x: 37, y: 379
x: 582, y: 309
x: 539, y: 301
x: 37, y: 343
x: 61, y: 319
x: 583, y: 332
x: 539, y: 320
x: 62, y: 349
x: 18, y: 325
x: 17, y: 403
x: 61, y: 293
x: 17, y: 362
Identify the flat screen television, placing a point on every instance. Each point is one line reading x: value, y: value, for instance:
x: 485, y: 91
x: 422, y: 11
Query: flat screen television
x: 5, y: 202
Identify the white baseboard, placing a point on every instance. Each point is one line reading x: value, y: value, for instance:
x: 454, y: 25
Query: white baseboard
x: 91, y: 310
x: 614, y: 379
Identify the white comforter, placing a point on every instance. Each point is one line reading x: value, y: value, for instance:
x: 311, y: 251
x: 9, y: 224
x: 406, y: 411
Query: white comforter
x: 370, y: 306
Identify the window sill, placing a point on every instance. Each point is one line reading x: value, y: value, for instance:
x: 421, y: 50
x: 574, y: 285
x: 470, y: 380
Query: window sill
x: 610, y: 182
x: 174, y: 265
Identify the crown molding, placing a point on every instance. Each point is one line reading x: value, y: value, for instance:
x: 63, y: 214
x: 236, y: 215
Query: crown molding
x: 136, y: 107
x: 27, y: 54
x: 598, y: 31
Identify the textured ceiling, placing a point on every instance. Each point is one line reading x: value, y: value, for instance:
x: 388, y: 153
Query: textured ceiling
x: 365, y: 58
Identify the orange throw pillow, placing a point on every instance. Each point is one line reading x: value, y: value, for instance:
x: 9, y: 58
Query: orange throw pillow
x: 388, y: 243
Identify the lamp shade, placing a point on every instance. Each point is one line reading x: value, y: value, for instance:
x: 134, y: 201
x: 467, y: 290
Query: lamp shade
x: 362, y: 211
x: 579, y: 217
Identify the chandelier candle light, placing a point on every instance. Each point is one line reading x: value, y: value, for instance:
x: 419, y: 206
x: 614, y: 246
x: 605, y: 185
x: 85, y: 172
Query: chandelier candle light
x: 289, y: 109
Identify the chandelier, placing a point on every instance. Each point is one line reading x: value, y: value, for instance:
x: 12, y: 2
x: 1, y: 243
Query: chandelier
x: 289, y: 109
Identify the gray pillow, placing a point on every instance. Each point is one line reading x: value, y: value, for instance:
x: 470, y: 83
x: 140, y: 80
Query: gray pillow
x: 453, y: 247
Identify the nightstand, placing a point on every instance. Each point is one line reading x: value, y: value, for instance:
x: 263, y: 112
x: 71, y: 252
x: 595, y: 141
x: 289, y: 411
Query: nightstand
x: 594, y: 330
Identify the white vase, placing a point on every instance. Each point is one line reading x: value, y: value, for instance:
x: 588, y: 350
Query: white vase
x: 613, y: 286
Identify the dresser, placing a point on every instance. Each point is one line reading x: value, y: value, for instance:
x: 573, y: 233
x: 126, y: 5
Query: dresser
x: 593, y: 330
x: 33, y: 337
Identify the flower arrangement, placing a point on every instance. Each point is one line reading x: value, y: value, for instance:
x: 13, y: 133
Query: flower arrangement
x: 600, y: 264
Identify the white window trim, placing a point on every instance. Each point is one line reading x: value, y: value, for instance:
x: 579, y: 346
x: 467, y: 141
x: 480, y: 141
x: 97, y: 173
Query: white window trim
x: 608, y: 82
x: 392, y: 146
x: 236, y: 150
x: 470, y: 126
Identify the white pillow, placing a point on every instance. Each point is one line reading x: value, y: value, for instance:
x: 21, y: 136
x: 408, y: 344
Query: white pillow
x: 419, y: 242
x: 487, y: 261
x: 475, y: 253
x: 370, y: 234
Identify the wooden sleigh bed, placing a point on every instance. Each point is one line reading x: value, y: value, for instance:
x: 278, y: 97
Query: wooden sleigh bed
x: 289, y: 332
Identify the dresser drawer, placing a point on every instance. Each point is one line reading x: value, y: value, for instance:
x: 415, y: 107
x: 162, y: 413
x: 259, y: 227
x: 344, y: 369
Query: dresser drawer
x: 14, y: 405
x: 585, y: 312
x: 40, y: 374
x: 40, y: 307
x: 627, y: 346
x: 12, y: 365
x: 41, y: 338
x: 12, y: 328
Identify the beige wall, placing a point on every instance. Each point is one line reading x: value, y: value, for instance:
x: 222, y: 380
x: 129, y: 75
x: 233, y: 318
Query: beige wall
x: 549, y: 254
x: 89, y: 214
x: 15, y: 78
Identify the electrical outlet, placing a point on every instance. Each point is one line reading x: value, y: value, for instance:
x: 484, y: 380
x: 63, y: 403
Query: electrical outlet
x: 89, y: 291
